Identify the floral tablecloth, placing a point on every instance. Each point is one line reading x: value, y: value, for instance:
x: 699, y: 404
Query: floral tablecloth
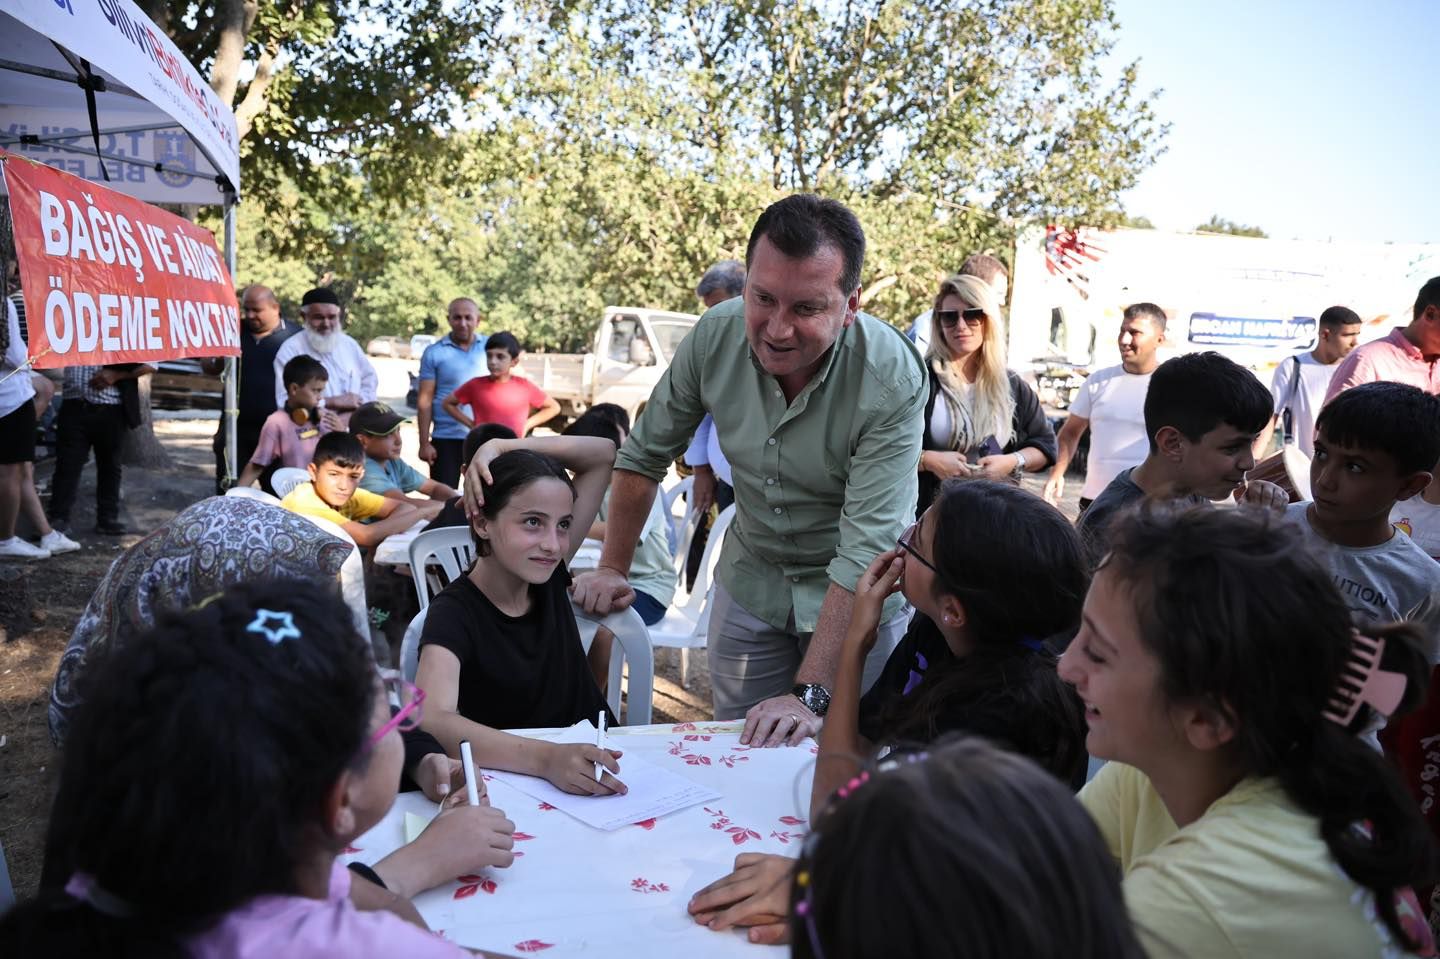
x: 576, y: 890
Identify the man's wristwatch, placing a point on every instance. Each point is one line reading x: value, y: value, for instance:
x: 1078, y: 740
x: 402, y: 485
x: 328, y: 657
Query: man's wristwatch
x: 813, y: 696
x: 1018, y: 473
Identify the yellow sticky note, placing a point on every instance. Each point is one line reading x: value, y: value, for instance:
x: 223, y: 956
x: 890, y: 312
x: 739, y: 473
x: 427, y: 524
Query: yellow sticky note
x: 414, y: 826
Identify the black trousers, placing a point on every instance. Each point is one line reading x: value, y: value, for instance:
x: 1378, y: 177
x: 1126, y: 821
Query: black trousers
x: 724, y: 496
x: 84, y: 426
x: 246, y: 439
x: 447, y: 465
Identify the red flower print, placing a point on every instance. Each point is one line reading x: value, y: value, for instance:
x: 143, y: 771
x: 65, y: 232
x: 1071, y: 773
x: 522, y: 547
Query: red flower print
x: 698, y: 739
x: 646, y: 886
x: 784, y: 837
x: 682, y: 727
x: 522, y: 836
x: 730, y: 761
x: 792, y: 820
x: 351, y: 849
x: 677, y: 748
x: 545, y: 807
x: 694, y: 760
x: 646, y: 824
x: 532, y: 945
x: 739, y: 834
x: 474, y: 884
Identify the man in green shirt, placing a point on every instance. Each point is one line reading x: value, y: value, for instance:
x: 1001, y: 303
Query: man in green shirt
x: 819, y: 409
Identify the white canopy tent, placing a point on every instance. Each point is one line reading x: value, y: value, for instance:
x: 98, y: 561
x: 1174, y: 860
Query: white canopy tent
x: 97, y: 90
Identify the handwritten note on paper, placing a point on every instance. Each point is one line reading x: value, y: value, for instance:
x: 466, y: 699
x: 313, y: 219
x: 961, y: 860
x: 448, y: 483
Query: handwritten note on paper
x: 654, y: 791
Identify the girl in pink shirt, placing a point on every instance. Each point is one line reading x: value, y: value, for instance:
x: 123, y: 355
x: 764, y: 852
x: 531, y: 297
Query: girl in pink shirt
x: 217, y: 768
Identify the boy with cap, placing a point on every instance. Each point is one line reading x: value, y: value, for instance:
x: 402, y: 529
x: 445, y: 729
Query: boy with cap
x: 377, y: 427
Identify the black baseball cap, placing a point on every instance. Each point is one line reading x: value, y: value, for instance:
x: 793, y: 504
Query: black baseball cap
x: 375, y: 419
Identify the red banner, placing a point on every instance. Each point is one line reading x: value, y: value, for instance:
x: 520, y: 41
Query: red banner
x: 108, y: 279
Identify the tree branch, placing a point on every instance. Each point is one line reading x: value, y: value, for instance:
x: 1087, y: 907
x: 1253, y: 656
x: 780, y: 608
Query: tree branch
x: 233, y: 18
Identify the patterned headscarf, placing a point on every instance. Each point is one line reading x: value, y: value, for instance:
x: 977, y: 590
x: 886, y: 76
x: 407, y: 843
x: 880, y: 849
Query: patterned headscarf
x: 206, y: 548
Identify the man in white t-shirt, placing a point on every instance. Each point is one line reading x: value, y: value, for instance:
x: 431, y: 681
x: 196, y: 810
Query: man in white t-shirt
x: 1111, y: 405
x: 1339, y: 333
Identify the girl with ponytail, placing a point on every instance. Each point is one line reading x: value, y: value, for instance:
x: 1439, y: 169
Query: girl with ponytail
x: 1223, y: 681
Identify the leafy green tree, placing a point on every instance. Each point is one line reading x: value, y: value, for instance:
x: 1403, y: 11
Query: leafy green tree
x: 1216, y: 225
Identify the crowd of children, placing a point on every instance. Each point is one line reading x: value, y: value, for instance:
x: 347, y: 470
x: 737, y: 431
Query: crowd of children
x: 1224, y: 670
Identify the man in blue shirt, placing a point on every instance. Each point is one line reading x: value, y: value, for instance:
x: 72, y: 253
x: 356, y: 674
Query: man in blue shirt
x: 263, y: 330
x: 447, y: 363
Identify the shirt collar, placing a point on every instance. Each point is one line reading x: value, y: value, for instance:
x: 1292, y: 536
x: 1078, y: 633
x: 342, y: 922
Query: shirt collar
x: 1397, y: 337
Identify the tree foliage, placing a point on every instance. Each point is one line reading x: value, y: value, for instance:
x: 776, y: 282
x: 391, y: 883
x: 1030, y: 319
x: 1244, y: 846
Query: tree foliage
x: 578, y: 153
x: 1217, y: 225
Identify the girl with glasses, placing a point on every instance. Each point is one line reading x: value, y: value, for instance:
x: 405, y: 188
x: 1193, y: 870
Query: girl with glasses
x: 213, y: 774
x: 981, y: 420
x: 997, y: 577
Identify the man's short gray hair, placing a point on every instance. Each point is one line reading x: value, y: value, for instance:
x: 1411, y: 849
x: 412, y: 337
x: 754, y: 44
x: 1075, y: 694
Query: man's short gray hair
x: 727, y: 276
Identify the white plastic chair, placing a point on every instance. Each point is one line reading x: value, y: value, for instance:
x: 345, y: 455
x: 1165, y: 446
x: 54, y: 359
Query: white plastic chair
x: 450, y: 546
x: 687, y: 621
x: 633, y: 649
x: 677, y: 523
x: 250, y: 492
x: 286, y: 478
x: 410, y: 646
x: 352, y: 575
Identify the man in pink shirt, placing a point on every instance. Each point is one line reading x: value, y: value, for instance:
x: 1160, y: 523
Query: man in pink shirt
x: 1410, y: 354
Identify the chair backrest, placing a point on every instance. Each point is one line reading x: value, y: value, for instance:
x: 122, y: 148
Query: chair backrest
x: 450, y: 546
x: 410, y: 646
x: 352, y: 575
x: 699, y: 593
x: 671, y: 497
x: 633, y: 648
x: 250, y: 492
x: 286, y: 478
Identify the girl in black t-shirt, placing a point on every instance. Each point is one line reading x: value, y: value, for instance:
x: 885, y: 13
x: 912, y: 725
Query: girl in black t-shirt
x: 500, y: 648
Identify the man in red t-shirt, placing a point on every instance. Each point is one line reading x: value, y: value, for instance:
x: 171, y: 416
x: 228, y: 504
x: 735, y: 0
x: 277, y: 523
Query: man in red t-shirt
x: 501, y: 397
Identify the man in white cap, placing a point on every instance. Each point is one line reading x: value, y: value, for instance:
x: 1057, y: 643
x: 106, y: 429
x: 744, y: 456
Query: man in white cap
x: 353, y: 380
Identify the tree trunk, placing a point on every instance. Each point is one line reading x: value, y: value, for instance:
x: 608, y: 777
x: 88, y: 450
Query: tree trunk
x: 141, y: 448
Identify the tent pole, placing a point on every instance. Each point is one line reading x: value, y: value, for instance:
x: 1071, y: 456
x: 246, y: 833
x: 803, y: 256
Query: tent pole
x: 231, y: 400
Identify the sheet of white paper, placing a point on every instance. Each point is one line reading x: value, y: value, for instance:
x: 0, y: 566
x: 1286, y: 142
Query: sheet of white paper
x: 654, y: 791
x: 414, y: 826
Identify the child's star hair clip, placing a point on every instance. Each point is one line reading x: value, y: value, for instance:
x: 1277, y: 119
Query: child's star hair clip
x: 275, y: 627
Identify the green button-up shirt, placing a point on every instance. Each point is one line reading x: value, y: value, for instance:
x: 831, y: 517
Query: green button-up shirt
x: 822, y: 484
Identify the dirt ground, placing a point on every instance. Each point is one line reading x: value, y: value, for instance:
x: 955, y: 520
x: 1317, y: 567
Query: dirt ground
x: 58, y: 590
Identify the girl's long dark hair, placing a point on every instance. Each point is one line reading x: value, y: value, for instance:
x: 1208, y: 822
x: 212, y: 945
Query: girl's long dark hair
x: 195, y: 771
x: 972, y: 851
x: 1018, y: 567
x: 1242, y: 618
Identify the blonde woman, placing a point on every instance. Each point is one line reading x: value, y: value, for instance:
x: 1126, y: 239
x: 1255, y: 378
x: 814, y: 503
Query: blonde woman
x: 981, y: 419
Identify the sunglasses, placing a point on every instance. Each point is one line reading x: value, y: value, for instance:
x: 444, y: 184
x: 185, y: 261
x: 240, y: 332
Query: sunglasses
x: 973, y: 317
x: 405, y: 698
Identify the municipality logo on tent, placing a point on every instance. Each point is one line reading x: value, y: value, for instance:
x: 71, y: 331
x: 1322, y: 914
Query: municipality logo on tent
x: 174, y: 150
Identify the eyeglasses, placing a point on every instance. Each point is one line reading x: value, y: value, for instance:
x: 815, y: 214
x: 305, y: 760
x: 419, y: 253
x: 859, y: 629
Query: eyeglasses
x: 906, y: 538
x: 405, y: 698
x: 973, y: 317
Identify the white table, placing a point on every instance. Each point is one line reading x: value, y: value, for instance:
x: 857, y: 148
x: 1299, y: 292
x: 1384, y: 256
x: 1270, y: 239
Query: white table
x: 575, y: 890
x: 394, y: 550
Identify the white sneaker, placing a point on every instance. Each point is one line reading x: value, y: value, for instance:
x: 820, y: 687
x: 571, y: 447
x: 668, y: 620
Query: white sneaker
x: 57, y: 542
x: 17, y: 548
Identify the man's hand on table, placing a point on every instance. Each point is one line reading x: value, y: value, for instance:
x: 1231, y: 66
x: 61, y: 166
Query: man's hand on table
x: 601, y: 591
x: 782, y: 720
x: 756, y: 894
x: 570, y: 767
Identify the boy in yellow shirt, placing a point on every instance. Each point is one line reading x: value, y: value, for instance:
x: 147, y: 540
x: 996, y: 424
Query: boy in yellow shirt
x: 334, y: 494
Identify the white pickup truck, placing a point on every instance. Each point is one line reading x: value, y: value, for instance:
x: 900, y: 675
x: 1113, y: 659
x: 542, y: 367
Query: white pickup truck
x: 631, y: 349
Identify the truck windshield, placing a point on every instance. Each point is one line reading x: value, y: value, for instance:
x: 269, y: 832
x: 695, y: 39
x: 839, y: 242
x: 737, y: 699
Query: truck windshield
x: 670, y: 333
